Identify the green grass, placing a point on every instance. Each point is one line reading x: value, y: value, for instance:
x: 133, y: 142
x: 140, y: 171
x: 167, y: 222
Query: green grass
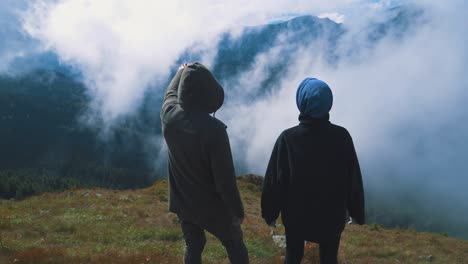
x: 109, y: 226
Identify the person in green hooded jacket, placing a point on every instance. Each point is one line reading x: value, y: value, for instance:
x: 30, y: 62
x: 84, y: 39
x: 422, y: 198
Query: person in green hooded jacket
x: 202, y: 183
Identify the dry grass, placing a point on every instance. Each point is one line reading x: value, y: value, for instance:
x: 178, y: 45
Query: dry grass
x: 107, y: 226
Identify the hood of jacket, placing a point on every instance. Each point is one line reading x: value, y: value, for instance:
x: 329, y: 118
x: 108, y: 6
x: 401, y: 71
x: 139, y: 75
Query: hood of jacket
x: 199, y: 90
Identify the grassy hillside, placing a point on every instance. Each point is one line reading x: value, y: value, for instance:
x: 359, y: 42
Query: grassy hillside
x: 110, y: 226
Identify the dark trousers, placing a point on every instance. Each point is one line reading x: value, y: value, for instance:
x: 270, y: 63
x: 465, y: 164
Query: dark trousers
x: 229, y: 234
x: 295, y: 250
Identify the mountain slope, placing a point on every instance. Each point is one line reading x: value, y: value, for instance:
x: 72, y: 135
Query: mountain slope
x: 110, y: 226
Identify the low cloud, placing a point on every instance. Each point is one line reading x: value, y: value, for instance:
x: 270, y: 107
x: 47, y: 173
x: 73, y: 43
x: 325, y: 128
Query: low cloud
x: 122, y: 46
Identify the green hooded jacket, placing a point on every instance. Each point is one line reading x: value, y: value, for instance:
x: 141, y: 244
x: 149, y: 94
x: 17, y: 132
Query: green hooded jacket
x: 202, y: 181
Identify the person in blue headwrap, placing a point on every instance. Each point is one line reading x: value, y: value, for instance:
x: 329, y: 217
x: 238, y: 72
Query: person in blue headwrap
x: 313, y: 178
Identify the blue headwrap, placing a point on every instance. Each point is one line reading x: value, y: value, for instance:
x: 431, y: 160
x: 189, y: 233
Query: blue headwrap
x: 314, y: 98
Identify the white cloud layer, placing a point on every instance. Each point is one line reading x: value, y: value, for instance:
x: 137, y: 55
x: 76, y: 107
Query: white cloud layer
x: 122, y: 45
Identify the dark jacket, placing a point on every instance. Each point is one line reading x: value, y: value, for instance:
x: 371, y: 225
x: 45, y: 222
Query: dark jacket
x: 313, y: 178
x: 202, y: 182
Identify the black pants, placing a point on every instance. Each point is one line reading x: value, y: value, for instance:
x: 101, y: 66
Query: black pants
x: 295, y: 249
x: 229, y: 234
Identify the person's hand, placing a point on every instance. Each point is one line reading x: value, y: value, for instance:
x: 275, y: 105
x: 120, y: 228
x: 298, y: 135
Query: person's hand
x: 183, y: 66
x: 272, y: 226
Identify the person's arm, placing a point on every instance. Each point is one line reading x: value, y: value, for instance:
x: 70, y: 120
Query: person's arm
x: 356, y: 206
x: 222, y: 169
x: 170, y: 99
x: 274, y: 184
